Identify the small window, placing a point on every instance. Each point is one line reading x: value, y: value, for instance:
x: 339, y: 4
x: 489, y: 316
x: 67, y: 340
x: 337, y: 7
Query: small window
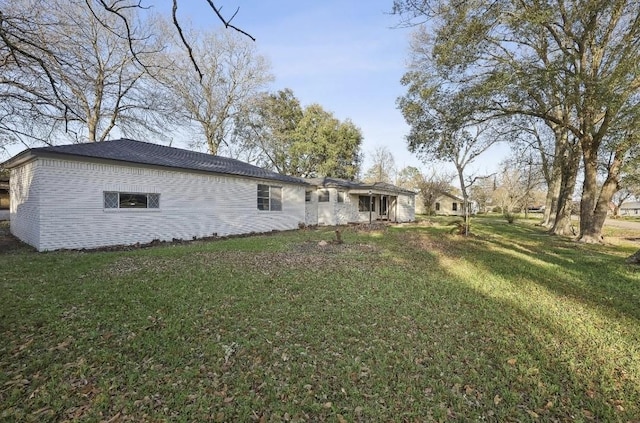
x: 131, y: 200
x: 454, y: 207
x: 340, y: 196
x: 307, y: 196
x: 437, y: 206
x: 323, y: 196
x: 269, y: 197
x: 111, y: 200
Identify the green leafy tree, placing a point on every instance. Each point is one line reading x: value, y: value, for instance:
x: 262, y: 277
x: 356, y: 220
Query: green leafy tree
x: 573, y: 65
x: 306, y: 142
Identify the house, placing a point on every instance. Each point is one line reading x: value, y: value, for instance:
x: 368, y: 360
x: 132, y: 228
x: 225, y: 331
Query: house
x: 445, y: 204
x: 126, y: 192
x: 333, y: 201
x: 630, y: 208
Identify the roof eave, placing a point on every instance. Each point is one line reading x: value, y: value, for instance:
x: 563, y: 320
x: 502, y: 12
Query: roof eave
x: 19, y: 159
x: 29, y: 155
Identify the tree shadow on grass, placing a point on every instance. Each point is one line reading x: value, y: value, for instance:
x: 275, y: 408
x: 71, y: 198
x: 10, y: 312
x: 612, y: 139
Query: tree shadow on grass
x: 594, y: 274
x: 554, y: 334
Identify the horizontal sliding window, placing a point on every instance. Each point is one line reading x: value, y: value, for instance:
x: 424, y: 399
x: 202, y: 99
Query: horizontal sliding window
x: 131, y: 200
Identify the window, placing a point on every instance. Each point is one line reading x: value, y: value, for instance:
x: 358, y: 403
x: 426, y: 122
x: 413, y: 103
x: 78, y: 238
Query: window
x: 131, y: 200
x: 437, y: 206
x: 365, y: 203
x: 269, y: 197
x: 307, y: 196
x: 454, y: 207
x: 340, y: 196
x: 323, y: 196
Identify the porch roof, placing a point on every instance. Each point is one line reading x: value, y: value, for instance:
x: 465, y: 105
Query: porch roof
x: 354, y: 187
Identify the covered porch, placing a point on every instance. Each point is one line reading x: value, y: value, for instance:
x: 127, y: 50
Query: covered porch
x: 375, y: 205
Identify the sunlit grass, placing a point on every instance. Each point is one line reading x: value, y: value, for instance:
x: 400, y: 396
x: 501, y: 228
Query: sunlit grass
x: 411, y: 323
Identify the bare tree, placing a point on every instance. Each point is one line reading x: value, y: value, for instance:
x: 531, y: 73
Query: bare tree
x: 383, y: 166
x: 47, y: 58
x: 233, y: 74
x: 85, y: 82
x: 431, y: 186
x: 518, y: 181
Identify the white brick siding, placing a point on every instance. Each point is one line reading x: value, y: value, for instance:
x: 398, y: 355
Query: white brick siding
x: 406, y: 208
x: 24, y: 205
x: 311, y: 208
x: 192, y: 205
x: 334, y: 213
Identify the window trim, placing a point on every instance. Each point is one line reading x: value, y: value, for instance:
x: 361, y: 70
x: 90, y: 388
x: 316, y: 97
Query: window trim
x: 274, y: 204
x: 321, y: 195
x: 367, y: 205
x: 117, y: 205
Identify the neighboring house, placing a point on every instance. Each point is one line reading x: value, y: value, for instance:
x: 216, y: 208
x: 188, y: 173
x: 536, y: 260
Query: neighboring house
x: 333, y: 201
x: 445, y: 204
x: 630, y: 208
x: 449, y: 205
x: 126, y: 192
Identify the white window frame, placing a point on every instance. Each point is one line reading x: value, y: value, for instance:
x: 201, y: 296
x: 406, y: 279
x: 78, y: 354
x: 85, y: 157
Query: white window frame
x: 324, y: 196
x: 273, y: 197
x: 115, y: 200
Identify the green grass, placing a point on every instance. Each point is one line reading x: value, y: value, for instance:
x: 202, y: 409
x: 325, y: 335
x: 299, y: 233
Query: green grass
x: 412, y: 323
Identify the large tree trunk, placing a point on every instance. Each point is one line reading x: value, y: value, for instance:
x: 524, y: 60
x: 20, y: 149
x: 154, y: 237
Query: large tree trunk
x: 553, y: 176
x: 590, y: 225
x: 595, y: 200
x: 465, y: 200
x: 551, y: 203
x: 569, y: 165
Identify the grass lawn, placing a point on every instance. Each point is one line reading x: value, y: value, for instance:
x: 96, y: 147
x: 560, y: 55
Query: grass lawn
x: 407, y: 324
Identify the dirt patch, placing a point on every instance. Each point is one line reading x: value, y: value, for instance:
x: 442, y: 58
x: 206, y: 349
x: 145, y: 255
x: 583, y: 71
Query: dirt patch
x: 308, y: 255
x: 8, y: 242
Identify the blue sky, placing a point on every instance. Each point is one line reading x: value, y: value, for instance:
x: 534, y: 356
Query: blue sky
x: 346, y: 55
x: 343, y: 55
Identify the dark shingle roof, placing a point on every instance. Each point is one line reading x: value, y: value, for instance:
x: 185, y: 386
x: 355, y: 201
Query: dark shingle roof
x: 344, y: 183
x: 138, y: 152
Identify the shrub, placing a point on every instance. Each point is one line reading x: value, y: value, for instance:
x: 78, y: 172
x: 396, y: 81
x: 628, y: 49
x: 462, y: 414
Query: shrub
x: 510, y: 217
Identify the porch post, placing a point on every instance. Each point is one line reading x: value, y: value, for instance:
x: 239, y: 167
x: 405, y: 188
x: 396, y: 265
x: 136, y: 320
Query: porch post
x: 370, y: 206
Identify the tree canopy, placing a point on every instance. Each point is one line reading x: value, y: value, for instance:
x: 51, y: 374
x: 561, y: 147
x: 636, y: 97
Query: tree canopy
x: 300, y: 141
x: 571, y: 64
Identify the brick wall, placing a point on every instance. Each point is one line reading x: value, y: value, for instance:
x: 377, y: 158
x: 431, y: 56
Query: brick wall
x: 72, y: 215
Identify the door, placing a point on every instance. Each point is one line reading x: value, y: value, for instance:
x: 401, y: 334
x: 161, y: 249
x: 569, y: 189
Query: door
x: 383, y: 206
